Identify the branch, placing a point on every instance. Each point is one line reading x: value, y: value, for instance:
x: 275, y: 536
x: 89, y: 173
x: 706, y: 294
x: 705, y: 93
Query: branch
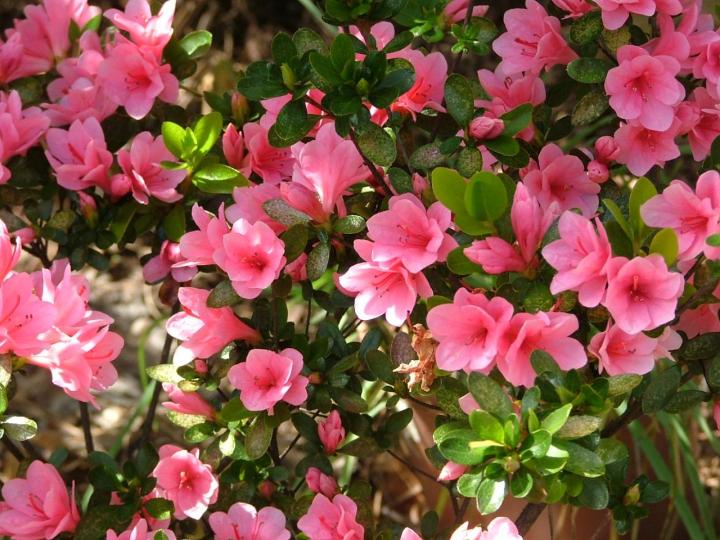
x: 87, y: 432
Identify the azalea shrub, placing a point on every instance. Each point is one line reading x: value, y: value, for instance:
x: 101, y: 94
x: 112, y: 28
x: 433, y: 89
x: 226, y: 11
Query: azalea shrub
x: 505, y: 220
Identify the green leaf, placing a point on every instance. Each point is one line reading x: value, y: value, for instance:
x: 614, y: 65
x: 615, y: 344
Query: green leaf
x: 487, y: 427
x: 661, y: 389
x: 586, y: 29
x: 166, y: 373
x: 196, y: 433
x: 348, y: 400
x: 579, y: 426
x: 490, y: 495
x: 380, y: 365
x: 554, y: 421
x: 285, y: 214
x: 594, y: 494
x: 159, y: 508
x: 589, y: 108
x: 582, y: 461
x: 283, y: 48
x: 306, y: 427
x: 685, y: 400
x: 207, y: 131
x: 713, y: 240
x: 306, y: 40
x: 461, y: 446
x: 621, y: 385
x: 712, y: 371
x: 222, y: 295
x: 700, y: 347
x: 262, y: 80
x: 351, y: 224
x: 469, y: 161
x: 196, y: 43
x: 295, y: 240
x: 459, y: 99
x: 619, y: 217
x: 486, y: 197
x: 427, y: 156
x: 323, y: 66
x: 19, y: 428
x: 489, y: 395
x: 503, y: 145
x: 258, y: 438
x: 342, y: 51
x: 459, y: 264
x: 122, y: 220
x: 517, y: 119
x: 227, y: 444
x: 218, y: 178
x: 642, y: 191
x: 468, y: 484
x: 588, y: 70
x: 398, y: 421
x: 98, y: 519
x: 521, y: 483
x: 400, y: 180
x: 317, y: 261
x: 3, y: 399
x: 174, y: 223
x: 665, y: 242
x: 292, y: 124
x: 449, y: 188
x: 377, y: 145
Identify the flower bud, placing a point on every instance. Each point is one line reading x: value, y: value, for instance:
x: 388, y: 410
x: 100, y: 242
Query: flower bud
x: 484, y: 127
x: 88, y: 207
x: 606, y: 149
x: 598, y: 171
x: 239, y: 107
x: 331, y: 432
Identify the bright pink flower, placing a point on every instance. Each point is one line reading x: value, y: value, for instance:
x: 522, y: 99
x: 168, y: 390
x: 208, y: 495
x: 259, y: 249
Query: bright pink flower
x: 331, y: 519
x: 692, y: 215
x: 147, y: 31
x: 233, y: 146
x: 142, y: 172
x: 549, y: 332
x: 79, y: 156
x: 500, y: 528
x: 606, y: 149
x: 331, y: 432
x: 243, y: 522
x: 327, y: 167
x: 485, y: 127
x: 408, y: 233
x: 319, y: 482
x: 701, y: 320
x: 716, y: 414
x: 644, y: 88
x: 428, y: 89
x: 706, y: 64
x: 204, y: 331
x: 383, y: 289
x: 268, y: 162
x: 133, y: 77
x: 619, y: 352
x: 252, y: 256
x: 580, y: 257
x: 12, y: 61
x: 533, y: 41
x: 187, y: 402
x: 641, y: 149
x: 616, y: 12
x: 701, y: 122
x: 307, y: 201
x: 249, y: 205
x: 186, y: 481
x: 38, y: 506
x: 139, y: 531
x: 199, y: 247
x: 574, y: 8
x: 10, y: 251
x: 451, y: 471
x: 19, y: 129
x: 267, y: 377
x: 469, y: 331
x: 495, y: 255
x: 642, y: 293
x: 508, y: 91
x: 162, y: 264
x: 561, y: 179
x: 297, y: 270
x: 598, y: 172
x: 456, y: 10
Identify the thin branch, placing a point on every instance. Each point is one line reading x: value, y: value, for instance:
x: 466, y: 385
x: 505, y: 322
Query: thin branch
x: 428, y: 405
x: 14, y: 450
x: 528, y: 516
x: 87, y: 432
x: 415, y: 469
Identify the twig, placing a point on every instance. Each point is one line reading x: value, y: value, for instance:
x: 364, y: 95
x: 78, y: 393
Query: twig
x: 528, y: 516
x: 87, y: 432
x: 428, y: 405
x: 415, y: 469
x: 14, y: 450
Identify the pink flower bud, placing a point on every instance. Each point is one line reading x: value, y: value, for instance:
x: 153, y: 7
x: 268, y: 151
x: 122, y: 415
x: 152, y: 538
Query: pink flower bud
x: 451, y: 471
x: 331, y: 432
x: 484, y: 127
x: 318, y: 482
x: 266, y: 489
x: 597, y: 171
x: 606, y: 149
x: 716, y: 414
x: 26, y: 235
x: 239, y: 107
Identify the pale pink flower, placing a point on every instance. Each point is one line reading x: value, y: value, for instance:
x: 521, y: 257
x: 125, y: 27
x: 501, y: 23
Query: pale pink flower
x: 644, y: 88
x: 692, y: 215
x: 79, y: 156
x: 133, y: 77
x: 203, y: 330
x: 139, y: 531
x: 168, y: 261
x: 20, y: 129
x: 319, y: 482
x: 187, y: 402
x: 10, y: 251
x: 500, y: 528
x: 142, y: 172
x: 456, y: 10
x: 12, y: 60
x: 249, y: 205
x: 619, y: 352
x: 331, y: 519
x: 642, y: 293
x: 574, y: 8
x: 327, y: 167
x: 549, y: 332
x: 38, y: 506
x: 331, y: 432
x: 410, y: 234
x: 641, y: 149
x: 533, y: 41
x: 495, y: 255
x: 485, y: 127
x: 706, y: 64
x: 700, y: 320
x: 146, y: 30
x: 267, y: 377
x: 244, y: 522
x: 616, y: 12
x: 469, y: 331
x: 252, y: 256
x: 409, y: 534
x: 429, y: 87
x: 580, y: 257
x: 383, y: 289
x: 451, y: 471
x: 561, y: 179
x: 199, y: 247
x: 701, y: 122
x: 268, y: 162
x: 307, y: 201
x: 671, y: 42
x: 186, y: 481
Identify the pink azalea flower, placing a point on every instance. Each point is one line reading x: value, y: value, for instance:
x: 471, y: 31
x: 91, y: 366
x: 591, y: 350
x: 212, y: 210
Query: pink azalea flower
x: 580, y: 257
x: 79, y: 156
x: 243, y: 522
x: 249, y: 205
x: 19, y: 129
x: 12, y: 61
x: 469, y: 331
x: 409, y: 534
x: 252, y: 256
x: 319, y: 482
x: 133, y: 77
x: 616, y: 12
x: 606, y: 149
x: 500, y: 528
x: 619, y: 352
x: 147, y: 31
x: 186, y: 481
x: 456, y: 10
x: 561, y: 179
x: 451, y: 471
x: 199, y: 247
x: 598, y: 172
x: 644, y: 88
x: 187, y: 402
x: 549, y: 332
x: 383, y: 289
x: 267, y: 377
x: 700, y: 320
x: 692, y: 215
x: 139, y: 531
x: 233, y: 146
x: 142, y: 172
x: 642, y: 293
x: 410, y: 234
x: 203, y: 330
x: 485, y: 127
x: 268, y: 162
x: 706, y: 64
x: 574, y: 8
x: 305, y: 200
x: 428, y: 89
x: 331, y: 519
x: 533, y: 41
x: 297, y: 270
x: 38, y: 506
x: 641, y: 149
x: 327, y: 167
x: 331, y: 432
x: 495, y: 255
x: 168, y: 261
x: 700, y: 119
x: 10, y: 251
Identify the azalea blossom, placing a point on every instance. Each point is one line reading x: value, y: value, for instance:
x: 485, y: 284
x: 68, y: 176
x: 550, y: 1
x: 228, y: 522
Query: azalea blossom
x: 20, y: 129
x: 619, y: 352
x: 616, y: 12
x: 249, y: 203
x: 331, y: 519
x: 187, y: 402
x: 244, y: 522
x: 428, y: 89
x: 641, y: 149
x: 456, y: 10
x: 319, y: 482
x: 141, y: 530
x: 331, y: 432
x: 146, y: 30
